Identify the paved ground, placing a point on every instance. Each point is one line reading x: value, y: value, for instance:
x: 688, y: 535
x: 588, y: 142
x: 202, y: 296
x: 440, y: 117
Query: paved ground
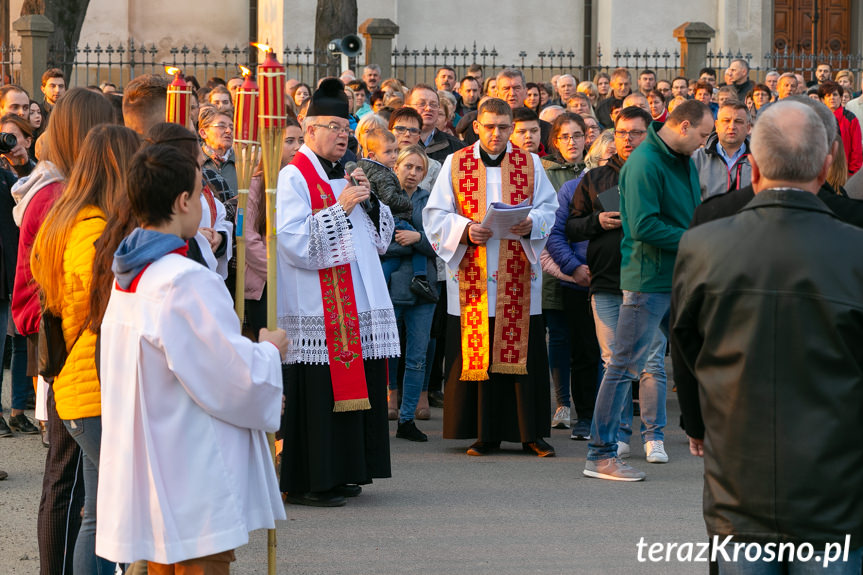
x: 444, y: 512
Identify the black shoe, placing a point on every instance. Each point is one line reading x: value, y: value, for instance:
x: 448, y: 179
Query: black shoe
x: 483, y: 448
x: 408, y: 430
x: 21, y: 424
x: 4, y: 429
x: 317, y: 499
x: 436, y: 399
x: 3, y: 475
x: 348, y: 490
x: 421, y: 287
x: 540, y: 447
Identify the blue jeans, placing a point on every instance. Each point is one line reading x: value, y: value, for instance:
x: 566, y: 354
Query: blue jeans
x: 811, y: 567
x: 606, y: 309
x: 417, y: 321
x: 558, y: 354
x: 87, y: 433
x: 641, y: 316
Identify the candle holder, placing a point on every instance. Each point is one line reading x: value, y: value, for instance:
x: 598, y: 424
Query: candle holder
x: 247, y: 156
x: 273, y: 121
x: 177, y: 109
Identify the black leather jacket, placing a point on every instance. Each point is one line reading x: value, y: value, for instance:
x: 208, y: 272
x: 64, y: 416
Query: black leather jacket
x: 767, y: 315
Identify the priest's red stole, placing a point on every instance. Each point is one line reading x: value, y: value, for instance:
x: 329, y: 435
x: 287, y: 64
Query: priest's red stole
x: 512, y: 309
x: 341, y: 321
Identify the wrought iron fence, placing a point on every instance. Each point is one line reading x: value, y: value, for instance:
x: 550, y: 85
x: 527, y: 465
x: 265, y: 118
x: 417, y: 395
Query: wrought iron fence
x: 414, y: 65
x: 120, y: 63
x: 10, y: 64
x: 794, y: 61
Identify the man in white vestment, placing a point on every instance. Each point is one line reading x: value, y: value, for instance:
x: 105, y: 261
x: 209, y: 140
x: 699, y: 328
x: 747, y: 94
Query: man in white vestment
x: 497, y: 386
x: 334, y: 304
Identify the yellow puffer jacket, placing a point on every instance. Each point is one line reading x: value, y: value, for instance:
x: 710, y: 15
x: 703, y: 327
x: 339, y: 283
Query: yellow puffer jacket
x: 76, y: 388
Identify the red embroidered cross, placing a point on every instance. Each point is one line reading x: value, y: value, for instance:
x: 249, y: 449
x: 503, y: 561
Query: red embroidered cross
x: 469, y: 163
x: 512, y: 333
x: 517, y: 159
x: 468, y: 185
x: 472, y: 274
x: 510, y: 355
x: 514, y: 289
x: 514, y: 312
x: 517, y: 178
x: 475, y: 340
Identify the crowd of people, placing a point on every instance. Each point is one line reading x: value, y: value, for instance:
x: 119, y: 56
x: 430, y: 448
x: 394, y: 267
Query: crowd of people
x: 484, y: 245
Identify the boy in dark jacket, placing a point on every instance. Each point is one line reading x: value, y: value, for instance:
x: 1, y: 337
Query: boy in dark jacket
x: 381, y: 152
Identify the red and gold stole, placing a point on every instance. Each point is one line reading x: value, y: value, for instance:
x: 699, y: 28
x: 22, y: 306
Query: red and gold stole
x: 512, y: 310
x: 341, y: 321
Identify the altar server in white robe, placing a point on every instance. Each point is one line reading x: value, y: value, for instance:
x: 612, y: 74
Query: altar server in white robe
x: 497, y: 382
x: 185, y: 470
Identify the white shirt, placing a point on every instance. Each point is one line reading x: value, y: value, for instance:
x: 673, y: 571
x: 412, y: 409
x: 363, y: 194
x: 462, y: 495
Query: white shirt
x: 444, y: 228
x: 220, y: 264
x: 185, y: 467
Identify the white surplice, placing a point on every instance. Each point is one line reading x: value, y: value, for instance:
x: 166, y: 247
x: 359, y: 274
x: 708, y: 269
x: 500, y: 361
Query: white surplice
x: 220, y: 264
x: 185, y: 468
x: 444, y: 228
x: 309, y: 243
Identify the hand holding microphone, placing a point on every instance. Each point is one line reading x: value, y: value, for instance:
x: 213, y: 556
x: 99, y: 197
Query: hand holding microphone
x: 357, y: 192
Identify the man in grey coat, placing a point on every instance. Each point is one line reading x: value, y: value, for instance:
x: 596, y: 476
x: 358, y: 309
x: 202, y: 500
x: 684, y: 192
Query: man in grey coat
x: 723, y: 163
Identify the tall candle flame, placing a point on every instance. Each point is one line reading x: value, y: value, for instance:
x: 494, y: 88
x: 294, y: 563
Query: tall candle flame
x: 171, y: 70
x: 264, y: 47
x: 246, y: 72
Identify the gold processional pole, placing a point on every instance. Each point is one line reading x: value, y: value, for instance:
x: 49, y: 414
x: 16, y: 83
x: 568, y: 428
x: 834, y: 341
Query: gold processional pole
x: 273, y: 121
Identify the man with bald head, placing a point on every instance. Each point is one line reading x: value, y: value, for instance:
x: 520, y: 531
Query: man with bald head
x: 766, y: 324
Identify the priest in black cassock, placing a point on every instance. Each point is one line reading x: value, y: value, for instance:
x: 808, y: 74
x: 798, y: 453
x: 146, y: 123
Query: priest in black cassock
x: 497, y: 386
x: 334, y: 305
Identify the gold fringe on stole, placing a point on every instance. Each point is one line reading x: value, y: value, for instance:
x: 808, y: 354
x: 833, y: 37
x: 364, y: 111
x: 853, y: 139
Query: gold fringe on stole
x: 352, y: 405
x: 508, y: 369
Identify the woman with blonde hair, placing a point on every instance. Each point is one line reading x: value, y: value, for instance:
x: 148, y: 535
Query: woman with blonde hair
x: 368, y: 123
x: 74, y: 115
x: 62, y: 265
x: 589, y: 89
x: 602, y: 149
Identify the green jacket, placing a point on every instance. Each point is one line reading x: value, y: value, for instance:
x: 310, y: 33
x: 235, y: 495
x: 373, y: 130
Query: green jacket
x: 559, y: 172
x: 659, y: 191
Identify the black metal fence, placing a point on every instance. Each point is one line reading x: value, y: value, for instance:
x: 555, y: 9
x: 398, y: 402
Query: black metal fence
x: 120, y: 63
x: 787, y: 61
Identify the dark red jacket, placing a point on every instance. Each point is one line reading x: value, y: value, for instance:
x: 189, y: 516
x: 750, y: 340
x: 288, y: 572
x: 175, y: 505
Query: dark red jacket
x: 26, y: 310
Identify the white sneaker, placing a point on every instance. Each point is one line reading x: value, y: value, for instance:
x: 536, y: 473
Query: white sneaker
x: 623, y: 450
x: 655, y: 451
x: 561, y: 418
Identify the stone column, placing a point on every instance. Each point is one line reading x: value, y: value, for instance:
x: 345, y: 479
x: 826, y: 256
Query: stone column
x: 693, y: 38
x: 34, y: 30
x: 378, y: 34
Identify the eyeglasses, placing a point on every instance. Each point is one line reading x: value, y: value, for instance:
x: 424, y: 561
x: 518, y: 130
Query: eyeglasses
x: 432, y: 105
x: 492, y: 127
x: 223, y: 127
x: 335, y: 128
x: 571, y: 137
x: 403, y: 129
x: 630, y: 134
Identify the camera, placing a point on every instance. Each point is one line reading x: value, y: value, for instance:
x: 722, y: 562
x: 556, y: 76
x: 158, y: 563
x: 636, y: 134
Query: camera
x: 7, y: 142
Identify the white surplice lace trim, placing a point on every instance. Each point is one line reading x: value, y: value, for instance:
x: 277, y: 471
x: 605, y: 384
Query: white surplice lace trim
x: 379, y: 336
x: 330, y: 242
x: 383, y: 238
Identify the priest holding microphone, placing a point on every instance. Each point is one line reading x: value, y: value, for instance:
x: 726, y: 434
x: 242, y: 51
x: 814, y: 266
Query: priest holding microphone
x: 334, y: 305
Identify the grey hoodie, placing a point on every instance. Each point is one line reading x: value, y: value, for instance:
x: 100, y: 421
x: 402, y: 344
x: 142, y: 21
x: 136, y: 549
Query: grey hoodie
x: 43, y: 174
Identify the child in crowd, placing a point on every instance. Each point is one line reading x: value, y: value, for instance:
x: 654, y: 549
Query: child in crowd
x: 381, y: 152
x: 185, y: 469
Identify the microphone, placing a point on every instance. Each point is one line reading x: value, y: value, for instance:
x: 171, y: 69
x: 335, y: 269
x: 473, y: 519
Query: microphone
x: 366, y: 204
